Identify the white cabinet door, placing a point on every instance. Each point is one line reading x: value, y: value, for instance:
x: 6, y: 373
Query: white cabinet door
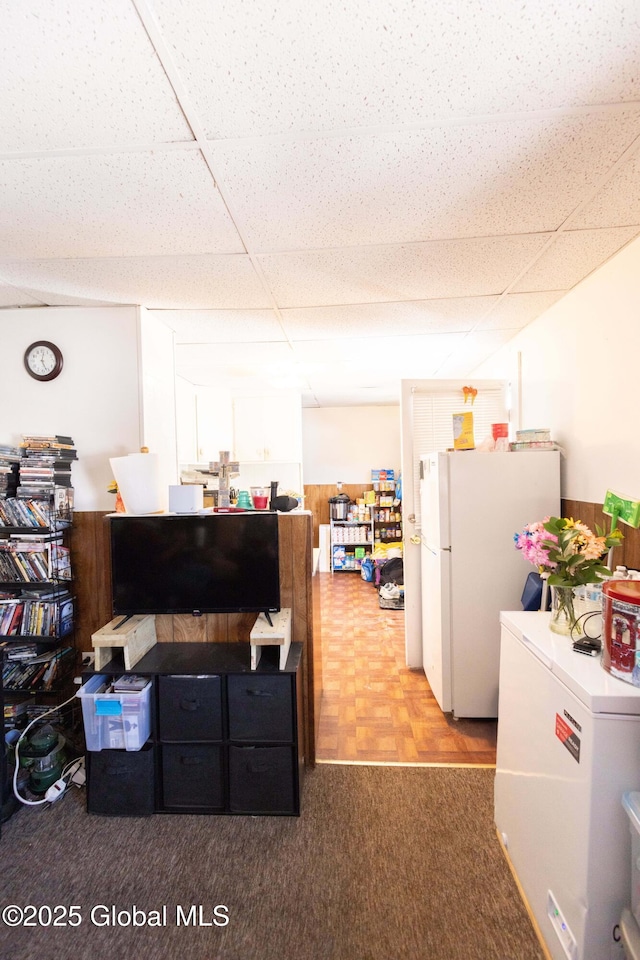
x: 267, y: 429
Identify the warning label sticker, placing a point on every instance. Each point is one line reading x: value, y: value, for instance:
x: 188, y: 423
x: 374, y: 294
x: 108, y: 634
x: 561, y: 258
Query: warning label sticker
x: 566, y: 735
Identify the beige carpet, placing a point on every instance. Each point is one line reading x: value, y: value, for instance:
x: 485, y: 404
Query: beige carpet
x: 385, y: 863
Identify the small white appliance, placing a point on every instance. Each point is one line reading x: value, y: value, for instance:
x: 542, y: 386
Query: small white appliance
x: 568, y: 748
x: 472, y: 504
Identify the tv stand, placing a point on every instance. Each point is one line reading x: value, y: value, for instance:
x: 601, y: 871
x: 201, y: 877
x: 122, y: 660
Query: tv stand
x: 271, y: 632
x: 224, y: 739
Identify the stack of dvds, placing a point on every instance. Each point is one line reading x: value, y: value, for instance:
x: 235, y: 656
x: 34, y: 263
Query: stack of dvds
x: 45, y: 463
x: 9, y: 461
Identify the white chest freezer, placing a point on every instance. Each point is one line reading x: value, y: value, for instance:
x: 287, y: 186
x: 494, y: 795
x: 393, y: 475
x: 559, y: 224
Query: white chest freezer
x: 568, y: 748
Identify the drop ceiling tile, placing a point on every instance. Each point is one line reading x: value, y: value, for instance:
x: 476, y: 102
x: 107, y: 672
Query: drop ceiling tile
x: 89, y: 75
x: 391, y: 353
x: 572, y: 256
x: 155, y: 282
x: 516, y: 310
x: 387, y: 394
x: 12, y: 297
x: 474, y: 350
x: 260, y: 67
x: 112, y: 205
x: 235, y: 365
x: 617, y: 203
x: 222, y: 326
x: 471, y: 180
x: 383, y: 319
x: 437, y: 270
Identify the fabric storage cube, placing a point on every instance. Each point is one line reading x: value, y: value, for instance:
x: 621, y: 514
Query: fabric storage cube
x: 192, y: 776
x: 121, y: 783
x: 262, y: 780
x: 190, y: 708
x: 115, y: 721
x: 260, y: 708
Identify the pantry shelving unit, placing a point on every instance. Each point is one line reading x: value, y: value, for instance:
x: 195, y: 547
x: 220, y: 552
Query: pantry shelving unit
x: 351, y: 542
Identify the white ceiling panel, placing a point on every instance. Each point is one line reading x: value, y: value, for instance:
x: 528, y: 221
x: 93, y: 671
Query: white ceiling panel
x: 471, y: 180
x: 405, y: 272
x: 237, y: 365
x: 402, y: 354
x: 572, y: 256
x: 325, y: 197
x: 155, y: 282
x: 11, y: 297
x: 366, y: 320
x: 221, y: 326
x: 515, y: 310
x: 81, y: 74
x: 297, y: 65
x: 617, y: 203
x: 129, y: 204
x: 473, y: 349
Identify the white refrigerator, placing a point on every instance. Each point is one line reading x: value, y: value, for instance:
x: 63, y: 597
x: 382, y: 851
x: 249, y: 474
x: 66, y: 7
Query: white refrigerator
x: 472, y: 504
x: 568, y: 748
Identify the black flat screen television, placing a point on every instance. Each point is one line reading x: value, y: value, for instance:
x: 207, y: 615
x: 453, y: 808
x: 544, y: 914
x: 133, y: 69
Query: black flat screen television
x: 218, y: 563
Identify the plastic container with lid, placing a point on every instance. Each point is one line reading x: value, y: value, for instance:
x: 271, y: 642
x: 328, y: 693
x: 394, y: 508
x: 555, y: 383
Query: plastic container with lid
x: 621, y: 629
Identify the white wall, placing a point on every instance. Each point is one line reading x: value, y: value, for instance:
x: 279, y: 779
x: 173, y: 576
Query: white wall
x: 580, y: 375
x: 158, y: 384
x: 346, y: 443
x: 95, y: 399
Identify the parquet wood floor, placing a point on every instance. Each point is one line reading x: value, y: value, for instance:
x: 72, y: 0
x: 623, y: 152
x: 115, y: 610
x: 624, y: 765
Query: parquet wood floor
x: 373, y: 708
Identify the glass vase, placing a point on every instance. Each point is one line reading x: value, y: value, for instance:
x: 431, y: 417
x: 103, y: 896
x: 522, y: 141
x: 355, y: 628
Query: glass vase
x: 563, y: 614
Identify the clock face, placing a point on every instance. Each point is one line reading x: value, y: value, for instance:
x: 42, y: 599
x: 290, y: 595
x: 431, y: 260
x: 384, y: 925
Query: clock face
x: 43, y: 360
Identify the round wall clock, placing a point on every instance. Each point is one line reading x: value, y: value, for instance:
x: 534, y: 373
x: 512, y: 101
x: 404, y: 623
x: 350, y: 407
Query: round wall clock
x: 43, y: 360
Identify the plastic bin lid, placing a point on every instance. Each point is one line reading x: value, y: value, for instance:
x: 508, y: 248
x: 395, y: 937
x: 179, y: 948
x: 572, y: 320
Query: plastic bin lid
x: 631, y: 803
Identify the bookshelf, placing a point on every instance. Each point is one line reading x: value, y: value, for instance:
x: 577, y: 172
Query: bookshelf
x: 36, y: 585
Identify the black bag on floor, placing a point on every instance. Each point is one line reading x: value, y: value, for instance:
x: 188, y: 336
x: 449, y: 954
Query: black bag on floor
x: 391, y: 571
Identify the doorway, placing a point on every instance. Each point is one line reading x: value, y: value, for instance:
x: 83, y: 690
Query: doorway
x: 375, y: 709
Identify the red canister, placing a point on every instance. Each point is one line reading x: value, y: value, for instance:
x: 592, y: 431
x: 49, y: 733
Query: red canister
x: 621, y: 626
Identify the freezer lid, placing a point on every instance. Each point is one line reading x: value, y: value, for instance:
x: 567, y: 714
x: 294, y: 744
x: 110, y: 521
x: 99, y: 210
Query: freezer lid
x: 584, y: 676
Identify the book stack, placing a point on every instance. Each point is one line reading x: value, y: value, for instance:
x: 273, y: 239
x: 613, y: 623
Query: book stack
x: 9, y: 462
x: 45, y: 463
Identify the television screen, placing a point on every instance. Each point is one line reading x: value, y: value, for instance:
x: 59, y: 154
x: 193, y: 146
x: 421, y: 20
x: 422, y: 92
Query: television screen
x: 217, y: 563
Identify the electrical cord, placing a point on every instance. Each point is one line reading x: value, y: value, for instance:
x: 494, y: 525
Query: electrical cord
x: 56, y: 789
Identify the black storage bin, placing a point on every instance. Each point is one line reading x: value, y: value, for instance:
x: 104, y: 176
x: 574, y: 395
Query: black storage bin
x: 192, y: 776
x: 121, y: 783
x: 260, y: 708
x: 262, y: 780
x: 190, y: 708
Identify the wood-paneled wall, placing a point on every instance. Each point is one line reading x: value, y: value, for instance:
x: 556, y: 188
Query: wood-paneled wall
x: 628, y: 553
x: 92, y: 573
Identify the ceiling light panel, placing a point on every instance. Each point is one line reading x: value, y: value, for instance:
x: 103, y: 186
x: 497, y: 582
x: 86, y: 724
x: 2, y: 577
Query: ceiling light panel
x: 472, y: 180
x: 113, y: 205
x: 155, y: 282
x: 89, y: 75
x: 572, y: 257
x: 441, y: 269
x: 339, y: 65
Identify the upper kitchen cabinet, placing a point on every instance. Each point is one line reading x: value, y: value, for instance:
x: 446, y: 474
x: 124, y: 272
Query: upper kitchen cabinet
x: 268, y: 429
